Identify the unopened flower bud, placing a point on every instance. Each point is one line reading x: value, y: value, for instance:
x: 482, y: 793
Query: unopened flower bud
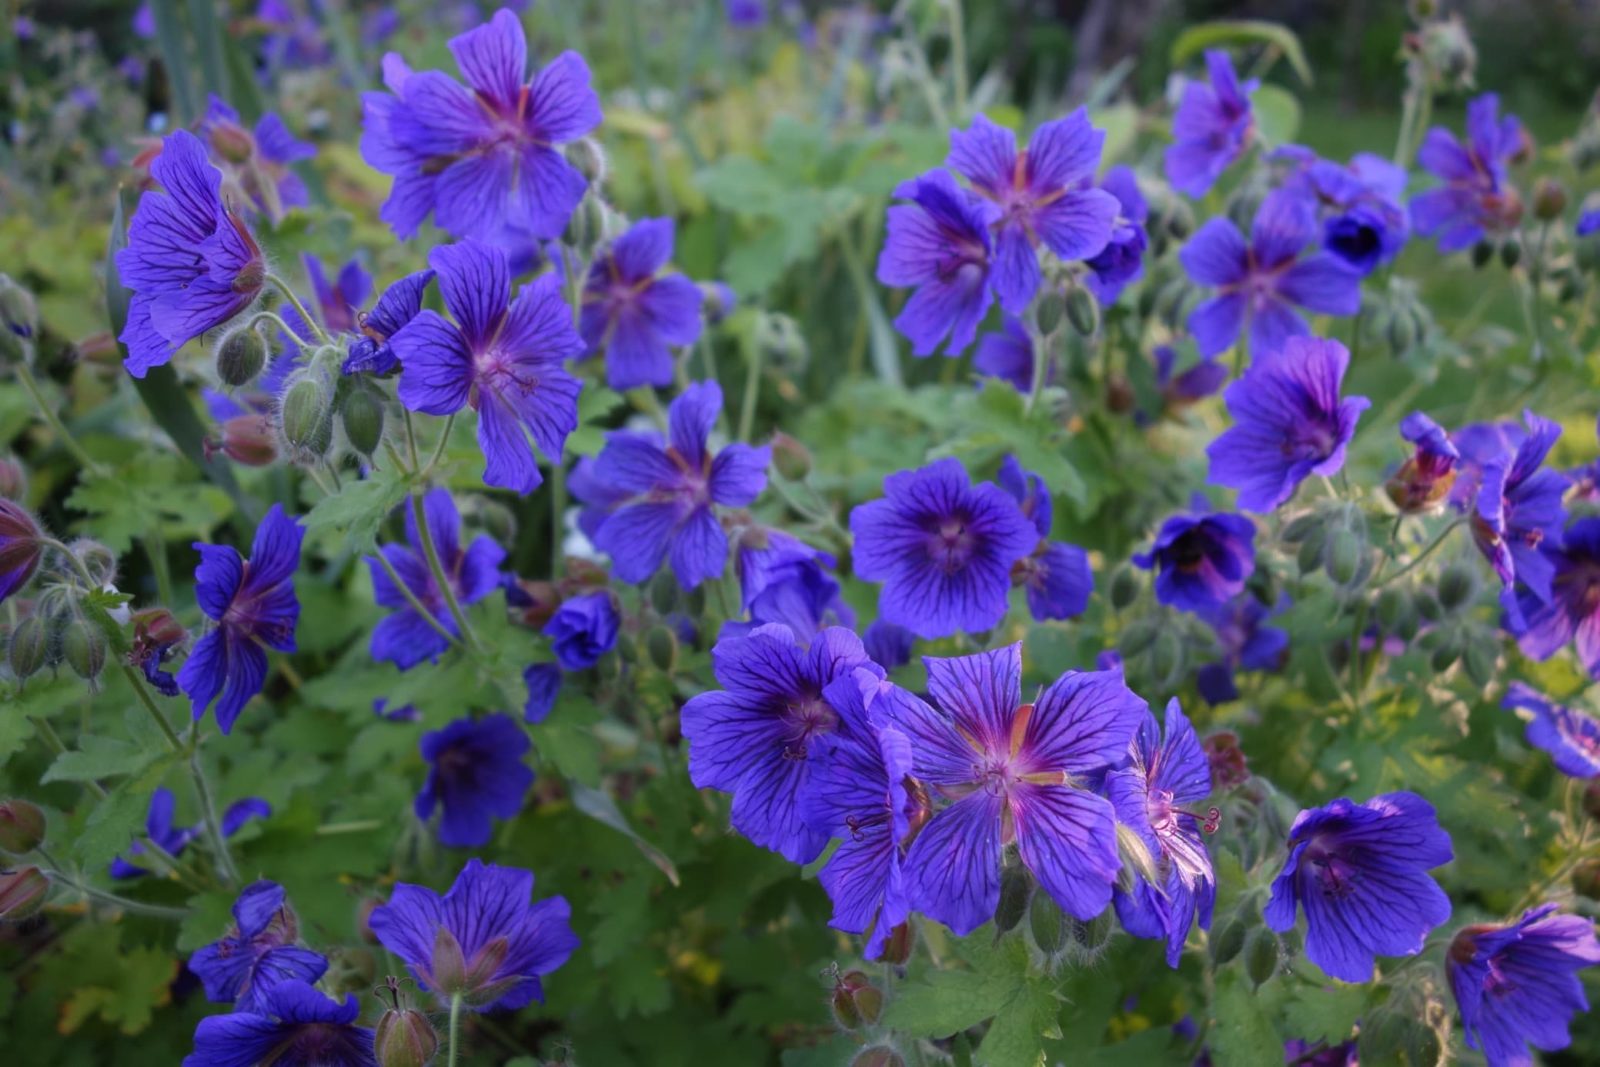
x: 1261, y: 952
x: 1089, y: 938
x: 305, y: 420
x: 902, y: 940
x: 231, y: 142
x: 1166, y: 657
x: 1482, y: 253
x: 1139, y: 636
x: 1448, y: 50
x: 790, y: 457
x: 21, y: 547
x: 1124, y: 587
x: 1048, y: 925
x: 1457, y: 585
x: 1180, y: 219
x: 13, y: 478
x: 717, y: 301
x: 1549, y: 200
x: 1393, y: 605
x: 21, y: 827
x: 1015, y: 888
x: 1401, y: 333
x: 588, y: 159
x: 1510, y: 252
x: 1428, y: 605
x: 404, y: 1038
x: 1083, y: 311
x: 22, y: 893
x: 1052, y: 305
x: 856, y: 1001
x: 1480, y: 658
x: 97, y: 559
x: 19, y: 318
x: 1346, y: 548
x: 663, y: 590
x: 662, y: 647
x: 249, y: 440
x: 29, y: 647
x: 1228, y: 941
x: 83, y: 646
x: 240, y: 357
x: 362, y: 417
x: 1226, y: 760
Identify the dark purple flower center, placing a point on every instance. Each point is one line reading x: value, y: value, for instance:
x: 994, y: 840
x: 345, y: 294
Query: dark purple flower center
x: 951, y: 543
x: 806, y: 718
x: 498, y: 372
x: 1333, y: 872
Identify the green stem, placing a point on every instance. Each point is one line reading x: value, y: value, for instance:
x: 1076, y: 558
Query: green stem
x: 958, y: 56
x: 273, y: 317
x: 438, y: 449
x: 885, y: 357
x: 440, y: 579
x: 1424, y: 554
x: 1041, y: 363
x: 132, y: 907
x: 150, y: 706
x: 208, y: 812
x: 558, y: 507
x: 294, y: 302
x: 455, y: 1029
x: 354, y: 826
x: 46, y: 412
x: 413, y: 602
x: 752, y: 390
x: 411, y: 440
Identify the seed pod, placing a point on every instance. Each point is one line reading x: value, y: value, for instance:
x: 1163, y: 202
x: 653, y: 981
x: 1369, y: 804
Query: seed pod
x: 1015, y: 888
x: 856, y: 1001
x: 83, y: 646
x: 1457, y: 585
x: 240, y: 357
x: 29, y: 647
x: 1228, y: 942
x: 22, y: 893
x: 306, y: 421
x: 1124, y: 587
x: 1083, y: 311
x: 1261, y: 956
x: 662, y: 646
x: 404, y: 1038
x: 362, y: 417
x: 21, y: 827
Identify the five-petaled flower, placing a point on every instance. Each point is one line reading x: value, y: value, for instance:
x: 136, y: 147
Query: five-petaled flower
x: 476, y: 775
x: 1212, y: 127
x: 253, y: 604
x: 370, y: 352
x: 1477, y: 197
x: 633, y: 312
x: 294, y: 1023
x: 258, y: 953
x: 940, y: 245
x: 1202, y: 559
x: 1570, y: 735
x: 1572, y: 610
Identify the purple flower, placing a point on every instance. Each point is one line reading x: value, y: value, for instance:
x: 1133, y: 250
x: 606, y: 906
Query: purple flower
x: 406, y: 638
x: 257, y: 954
x: 333, y: 302
x: 1359, y: 871
x: 1572, y: 611
x: 745, y: 14
x: 1056, y: 576
x: 583, y: 629
x: 544, y: 685
x: 476, y: 774
x: 1517, y: 985
x: 1570, y: 735
x: 1289, y: 423
x: 1476, y: 197
x: 256, y: 166
x: 888, y: 645
x: 1042, y: 195
x: 1013, y: 774
x: 857, y: 792
x: 295, y: 1024
x: 1181, y: 388
x: 296, y: 38
x: 502, y: 357
x: 1588, y: 222
x: 633, y: 312
x: 370, y: 353
x: 756, y: 736
x: 1363, y: 222
x: 1121, y: 262
x: 159, y: 828
x: 1211, y: 129
x: 404, y: 713
x: 943, y: 549
x: 243, y: 811
x: 1009, y: 355
x: 1518, y: 513
x: 191, y: 263
x: 939, y: 244
x: 20, y: 547
x: 1261, y: 282
x: 665, y: 496
x: 484, y: 160
x: 1424, y: 480
x: 1203, y: 560
x: 1298, y: 1052
x: 1246, y: 644
x: 784, y: 580
x: 253, y: 603
x: 144, y: 22
x: 1148, y: 795
x: 483, y: 940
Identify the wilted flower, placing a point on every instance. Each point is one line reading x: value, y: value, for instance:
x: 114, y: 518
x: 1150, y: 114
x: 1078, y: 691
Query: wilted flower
x: 370, y: 352
x: 583, y: 629
x: 21, y: 547
x: 258, y: 954
x: 1425, y: 479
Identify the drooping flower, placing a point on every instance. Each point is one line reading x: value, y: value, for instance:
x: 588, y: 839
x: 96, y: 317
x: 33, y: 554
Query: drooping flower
x: 784, y: 580
x: 1121, y: 262
x: 1476, y: 197
x: 476, y: 775
x: 1246, y: 644
x: 633, y: 312
x: 155, y: 634
x: 257, y: 954
x: 1359, y: 871
x: 1149, y: 796
x: 1517, y: 985
x: 1014, y: 772
x: 942, y: 547
x: 483, y: 940
x: 1358, y: 205
x: 1056, y: 576
x: 1570, y: 735
x: 256, y: 165
x: 295, y: 1024
x: 544, y: 685
x: 159, y: 828
x: 756, y: 736
x: 1211, y: 128
x: 243, y: 811
x: 1043, y: 194
x: 405, y: 638
x: 1259, y: 283
x: 1425, y: 478
x: 1572, y: 610
x: 253, y: 604
x: 1289, y: 423
x: 1180, y: 388
x: 666, y: 496
x: 1519, y: 512
x: 502, y: 357
x: 583, y: 629
x: 1202, y: 559
x: 370, y: 352
x: 21, y: 547
x: 939, y: 244
x: 888, y: 645
x: 858, y: 793
x: 484, y: 160
x: 191, y: 263
x: 1009, y: 355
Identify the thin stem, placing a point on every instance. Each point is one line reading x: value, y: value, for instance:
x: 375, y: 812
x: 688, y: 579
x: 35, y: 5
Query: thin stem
x: 354, y: 826
x: 440, y: 579
x: 958, y: 55
x: 1041, y: 363
x: 455, y: 1029
x: 294, y: 302
x: 411, y: 439
x: 558, y: 508
x: 132, y: 907
x: 46, y: 412
x: 275, y: 318
x: 752, y: 390
x: 1424, y: 554
x: 438, y: 449
x: 155, y: 546
x: 208, y: 811
x: 150, y: 706
x: 412, y: 601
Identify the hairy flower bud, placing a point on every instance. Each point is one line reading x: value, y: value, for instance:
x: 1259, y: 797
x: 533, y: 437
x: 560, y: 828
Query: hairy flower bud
x: 662, y: 647
x: 1052, y: 305
x: 1510, y: 252
x: 362, y: 417
x: 13, y: 478
x: 1015, y: 887
x: 1549, y: 200
x: 1048, y: 925
x: 404, y: 1038
x: 22, y: 893
x: 29, y: 647
x: 305, y: 420
x: 588, y: 158
x: 21, y: 826
x: 1261, y: 952
x: 83, y: 646
x: 790, y: 457
x: 19, y: 319
x: 856, y: 1001
x: 240, y: 357
x: 1083, y: 311
x: 1124, y: 587
x: 1482, y: 253
x: 1448, y: 49
x: 1457, y: 585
